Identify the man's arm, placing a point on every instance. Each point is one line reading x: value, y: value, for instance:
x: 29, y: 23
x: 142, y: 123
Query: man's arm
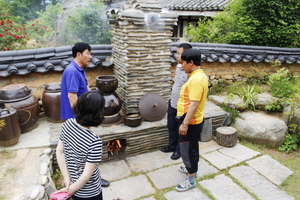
x: 189, y: 116
x: 72, y: 96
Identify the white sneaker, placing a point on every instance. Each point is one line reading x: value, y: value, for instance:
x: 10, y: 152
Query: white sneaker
x: 185, y: 185
x: 182, y: 169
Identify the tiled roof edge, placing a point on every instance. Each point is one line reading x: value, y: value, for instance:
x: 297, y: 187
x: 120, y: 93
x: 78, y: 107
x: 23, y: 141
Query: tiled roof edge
x: 41, y: 60
x: 212, y: 52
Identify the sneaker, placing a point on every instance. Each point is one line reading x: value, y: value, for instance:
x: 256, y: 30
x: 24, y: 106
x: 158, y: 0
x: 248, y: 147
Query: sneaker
x: 185, y: 185
x: 182, y: 169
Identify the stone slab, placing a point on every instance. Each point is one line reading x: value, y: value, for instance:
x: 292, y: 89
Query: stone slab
x: 119, y: 168
x: 204, y: 168
x: 129, y: 189
x: 205, y: 147
x: 192, y: 194
x: 266, y: 166
x: 239, y: 152
x: 150, y: 161
x: 171, y: 176
x: 149, y: 198
x: 37, y: 137
x: 166, y: 177
x: 223, y: 188
x: 258, y: 184
x: 219, y: 160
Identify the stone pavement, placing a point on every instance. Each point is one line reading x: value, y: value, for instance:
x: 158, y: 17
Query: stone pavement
x: 236, y: 173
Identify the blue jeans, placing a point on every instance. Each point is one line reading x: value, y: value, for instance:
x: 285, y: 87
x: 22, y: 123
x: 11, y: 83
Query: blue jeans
x: 173, y: 128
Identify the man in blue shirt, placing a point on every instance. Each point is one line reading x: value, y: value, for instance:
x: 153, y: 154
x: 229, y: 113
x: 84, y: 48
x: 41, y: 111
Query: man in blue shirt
x: 74, y: 83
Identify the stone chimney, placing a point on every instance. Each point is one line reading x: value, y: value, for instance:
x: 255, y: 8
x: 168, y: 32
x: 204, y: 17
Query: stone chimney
x: 142, y: 37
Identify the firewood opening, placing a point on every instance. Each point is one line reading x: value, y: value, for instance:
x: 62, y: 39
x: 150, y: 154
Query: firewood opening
x: 116, y: 147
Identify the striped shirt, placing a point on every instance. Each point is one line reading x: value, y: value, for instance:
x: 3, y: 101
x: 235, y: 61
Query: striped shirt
x: 81, y: 145
x: 179, y: 79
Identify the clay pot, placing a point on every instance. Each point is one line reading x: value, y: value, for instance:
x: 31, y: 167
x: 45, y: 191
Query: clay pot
x: 9, y: 127
x: 19, y: 97
x: 113, y: 104
x: 133, y: 119
x: 112, y: 120
x: 107, y: 84
x: 51, y: 101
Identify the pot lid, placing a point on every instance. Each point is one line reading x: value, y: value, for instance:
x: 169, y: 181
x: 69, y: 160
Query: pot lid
x: 152, y: 107
x: 7, y: 112
x: 14, y: 91
x: 54, y: 86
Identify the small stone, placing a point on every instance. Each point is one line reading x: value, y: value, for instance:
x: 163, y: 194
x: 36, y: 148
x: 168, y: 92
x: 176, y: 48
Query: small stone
x: 35, y: 192
x: 46, y: 159
x: 44, y: 168
x: 44, y: 180
x: 47, y: 151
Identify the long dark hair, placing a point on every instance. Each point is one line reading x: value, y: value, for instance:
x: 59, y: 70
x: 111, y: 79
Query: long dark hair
x: 89, y: 108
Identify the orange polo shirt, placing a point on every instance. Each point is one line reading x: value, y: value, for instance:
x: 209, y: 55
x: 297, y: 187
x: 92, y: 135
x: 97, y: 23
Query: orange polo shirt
x: 195, y: 89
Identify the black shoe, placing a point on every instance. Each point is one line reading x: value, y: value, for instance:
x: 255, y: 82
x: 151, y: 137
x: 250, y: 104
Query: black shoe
x: 175, y: 156
x: 104, y: 183
x: 167, y: 149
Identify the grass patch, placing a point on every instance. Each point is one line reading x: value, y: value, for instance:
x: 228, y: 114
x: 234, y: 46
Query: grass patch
x: 5, y: 154
x: 10, y: 171
x: 237, y: 88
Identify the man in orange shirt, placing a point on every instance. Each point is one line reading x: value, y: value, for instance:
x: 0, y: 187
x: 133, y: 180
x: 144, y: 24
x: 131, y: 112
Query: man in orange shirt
x: 190, y: 107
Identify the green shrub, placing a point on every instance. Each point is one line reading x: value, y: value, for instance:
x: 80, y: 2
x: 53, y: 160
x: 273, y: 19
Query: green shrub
x: 218, y: 88
x: 236, y: 88
x: 87, y: 24
x: 261, y: 23
x: 290, y: 143
x: 282, y: 84
x: 248, y: 96
x: 49, y: 17
x: 275, y: 106
x: 233, y: 111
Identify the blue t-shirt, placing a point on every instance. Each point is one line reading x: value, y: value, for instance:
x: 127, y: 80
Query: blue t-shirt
x: 73, y: 80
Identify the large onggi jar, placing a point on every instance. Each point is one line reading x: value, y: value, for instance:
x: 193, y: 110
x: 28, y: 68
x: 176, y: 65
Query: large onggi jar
x: 51, y: 101
x: 19, y: 97
x: 9, y: 127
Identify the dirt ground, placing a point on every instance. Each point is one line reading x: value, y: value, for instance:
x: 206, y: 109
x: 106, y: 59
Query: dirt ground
x: 18, y: 171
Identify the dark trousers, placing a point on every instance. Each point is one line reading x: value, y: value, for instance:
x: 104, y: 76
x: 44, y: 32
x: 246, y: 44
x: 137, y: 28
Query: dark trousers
x: 189, y: 147
x: 173, y: 128
x: 98, y: 197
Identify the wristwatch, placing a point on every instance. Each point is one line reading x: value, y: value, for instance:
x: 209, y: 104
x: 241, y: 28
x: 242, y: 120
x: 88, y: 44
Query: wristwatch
x: 184, y: 125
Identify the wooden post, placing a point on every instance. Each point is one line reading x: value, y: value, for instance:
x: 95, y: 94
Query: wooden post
x: 226, y: 136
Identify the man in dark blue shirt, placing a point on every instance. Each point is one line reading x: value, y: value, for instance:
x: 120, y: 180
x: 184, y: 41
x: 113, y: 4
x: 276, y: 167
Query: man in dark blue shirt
x: 74, y: 83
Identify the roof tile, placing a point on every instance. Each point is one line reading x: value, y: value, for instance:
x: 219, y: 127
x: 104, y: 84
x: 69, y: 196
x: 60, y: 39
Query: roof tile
x: 56, y: 59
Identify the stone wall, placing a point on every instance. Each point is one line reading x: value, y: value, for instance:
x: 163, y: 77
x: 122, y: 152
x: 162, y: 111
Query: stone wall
x: 37, y: 81
x: 216, y: 71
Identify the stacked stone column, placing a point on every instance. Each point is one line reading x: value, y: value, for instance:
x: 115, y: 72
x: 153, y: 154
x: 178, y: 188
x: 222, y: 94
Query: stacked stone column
x: 142, y: 35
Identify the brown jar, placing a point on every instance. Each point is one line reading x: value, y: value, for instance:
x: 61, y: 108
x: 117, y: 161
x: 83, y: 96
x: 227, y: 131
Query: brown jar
x: 9, y: 127
x: 51, y: 101
x: 19, y: 97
